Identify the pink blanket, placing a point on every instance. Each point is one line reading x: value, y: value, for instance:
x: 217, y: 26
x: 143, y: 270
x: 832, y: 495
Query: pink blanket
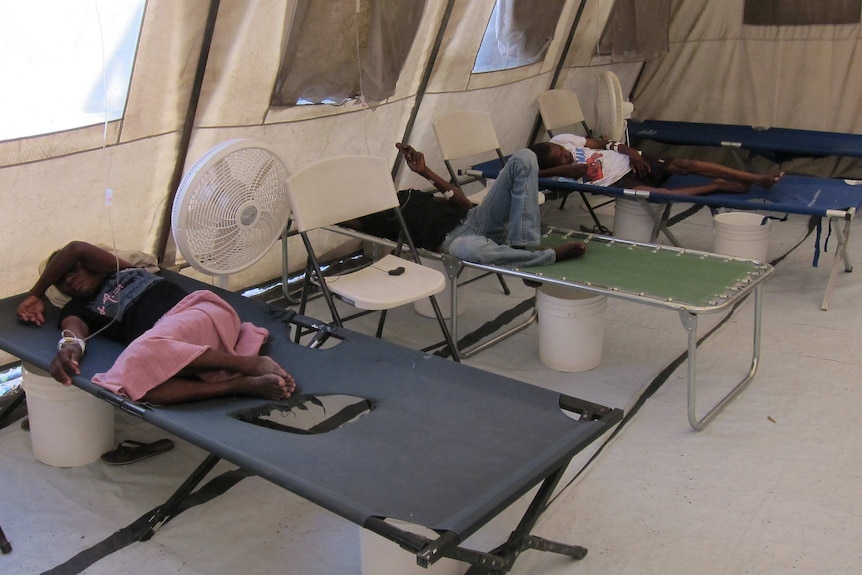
x: 201, y: 321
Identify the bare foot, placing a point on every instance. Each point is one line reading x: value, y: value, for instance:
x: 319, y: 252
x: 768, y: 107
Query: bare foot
x: 731, y: 186
x: 268, y: 386
x: 570, y: 250
x: 769, y: 180
x: 264, y: 365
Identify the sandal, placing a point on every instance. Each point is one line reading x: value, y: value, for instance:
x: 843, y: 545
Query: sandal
x: 130, y: 451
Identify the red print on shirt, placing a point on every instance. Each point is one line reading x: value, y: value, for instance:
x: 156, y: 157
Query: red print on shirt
x: 594, y: 168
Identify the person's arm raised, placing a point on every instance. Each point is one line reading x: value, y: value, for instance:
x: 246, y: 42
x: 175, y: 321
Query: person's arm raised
x: 93, y: 258
x: 416, y: 162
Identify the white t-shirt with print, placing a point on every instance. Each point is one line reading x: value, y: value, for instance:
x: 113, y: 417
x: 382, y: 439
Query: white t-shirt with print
x: 606, y: 167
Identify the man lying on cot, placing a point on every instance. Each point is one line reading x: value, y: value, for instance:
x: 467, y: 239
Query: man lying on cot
x: 180, y: 346
x: 498, y: 231
x: 604, y: 163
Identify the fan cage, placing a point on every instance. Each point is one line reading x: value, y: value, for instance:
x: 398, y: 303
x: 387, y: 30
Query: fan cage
x: 231, y: 207
x: 609, y: 107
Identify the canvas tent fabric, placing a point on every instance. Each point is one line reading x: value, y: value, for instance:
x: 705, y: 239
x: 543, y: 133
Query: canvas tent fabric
x: 717, y: 70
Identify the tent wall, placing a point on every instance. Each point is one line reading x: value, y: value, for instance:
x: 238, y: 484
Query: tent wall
x: 718, y: 70
x: 721, y: 71
x: 53, y: 186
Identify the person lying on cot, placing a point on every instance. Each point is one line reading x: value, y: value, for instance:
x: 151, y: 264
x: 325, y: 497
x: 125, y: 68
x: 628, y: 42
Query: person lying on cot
x: 604, y: 163
x: 180, y: 346
x: 499, y: 231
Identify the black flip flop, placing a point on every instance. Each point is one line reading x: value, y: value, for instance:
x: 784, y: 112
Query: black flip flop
x: 130, y: 451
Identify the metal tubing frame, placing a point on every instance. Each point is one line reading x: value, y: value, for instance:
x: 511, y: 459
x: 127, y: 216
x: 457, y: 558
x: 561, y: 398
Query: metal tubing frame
x: 689, y: 322
x: 688, y: 314
x: 840, y: 253
x: 454, y: 267
x: 835, y: 216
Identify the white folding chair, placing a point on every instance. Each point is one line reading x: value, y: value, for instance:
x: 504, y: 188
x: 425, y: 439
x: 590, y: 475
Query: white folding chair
x: 344, y: 188
x: 464, y: 134
x: 561, y: 109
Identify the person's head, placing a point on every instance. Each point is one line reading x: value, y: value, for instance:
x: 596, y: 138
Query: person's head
x: 551, y: 155
x: 79, y: 281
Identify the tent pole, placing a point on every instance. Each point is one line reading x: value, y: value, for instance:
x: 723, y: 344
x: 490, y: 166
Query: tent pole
x: 426, y: 77
x: 188, y: 126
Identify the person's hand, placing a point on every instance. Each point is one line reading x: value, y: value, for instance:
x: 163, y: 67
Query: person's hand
x: 415, y: 159
x: 65, y: 364
x: 32, y: 310
x: 574, y: 171
x: 639, y: 166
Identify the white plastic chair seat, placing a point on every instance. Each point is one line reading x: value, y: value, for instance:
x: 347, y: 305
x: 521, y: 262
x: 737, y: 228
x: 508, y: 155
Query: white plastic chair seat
x: 372, y: 288
x: 477, y: 198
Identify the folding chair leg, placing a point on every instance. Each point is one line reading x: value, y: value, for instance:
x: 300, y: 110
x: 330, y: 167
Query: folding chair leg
x: 450, y: 343
x: 380, y: 323
x: 303, y: 298
x: 506, y: 289
x: 318, y: 273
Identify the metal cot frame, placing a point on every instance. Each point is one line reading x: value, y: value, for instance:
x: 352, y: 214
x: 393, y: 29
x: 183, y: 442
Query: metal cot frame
x: 839, y: 217
x: 538, y: 459
x: 688, y: 313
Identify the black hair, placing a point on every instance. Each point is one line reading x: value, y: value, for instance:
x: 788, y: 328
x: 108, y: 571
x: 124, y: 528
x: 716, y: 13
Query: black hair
x: 543, y: 154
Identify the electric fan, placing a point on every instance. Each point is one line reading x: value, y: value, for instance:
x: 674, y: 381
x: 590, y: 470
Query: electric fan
x: 611, y: 109
x: 231, y: 207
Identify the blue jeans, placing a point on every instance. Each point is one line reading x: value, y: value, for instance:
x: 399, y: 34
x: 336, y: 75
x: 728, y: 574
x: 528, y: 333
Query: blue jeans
x: 508, y: 216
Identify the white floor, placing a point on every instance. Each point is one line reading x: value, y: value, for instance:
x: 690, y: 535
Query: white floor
x: 771, y: 486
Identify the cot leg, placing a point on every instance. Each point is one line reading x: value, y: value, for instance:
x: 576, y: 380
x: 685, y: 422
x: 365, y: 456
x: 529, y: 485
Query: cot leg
x: 840, y: 254
x: 502, y: 559
x: 541, y: 544
x: 689, y: 322
x: 454, y: 267
x: 5, y: 546
x: 599, y: 227
x: 166, y: 511
x: 17, y: 399
x: 659, y: 222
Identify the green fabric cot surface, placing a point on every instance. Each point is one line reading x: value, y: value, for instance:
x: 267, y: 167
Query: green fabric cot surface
x: 666, y: 274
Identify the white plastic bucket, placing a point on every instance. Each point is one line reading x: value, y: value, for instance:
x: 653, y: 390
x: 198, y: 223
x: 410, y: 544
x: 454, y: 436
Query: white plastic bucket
x: 571, y: 327
x: 631, y: 221
x: 444, y: 298
x: 68, y: 427
x: 741, y: 234
x: 380, y: 556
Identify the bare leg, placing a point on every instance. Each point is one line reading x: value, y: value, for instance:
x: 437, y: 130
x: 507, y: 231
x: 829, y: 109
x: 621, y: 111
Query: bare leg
x: 212, y: 360
x: 260, y: 376
x: 713, y: 170
x: 717, y: 185
x: 178, y: 390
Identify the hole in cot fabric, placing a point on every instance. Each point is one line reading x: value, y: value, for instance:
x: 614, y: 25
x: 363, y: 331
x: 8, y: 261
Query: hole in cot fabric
x: 307, y: 414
